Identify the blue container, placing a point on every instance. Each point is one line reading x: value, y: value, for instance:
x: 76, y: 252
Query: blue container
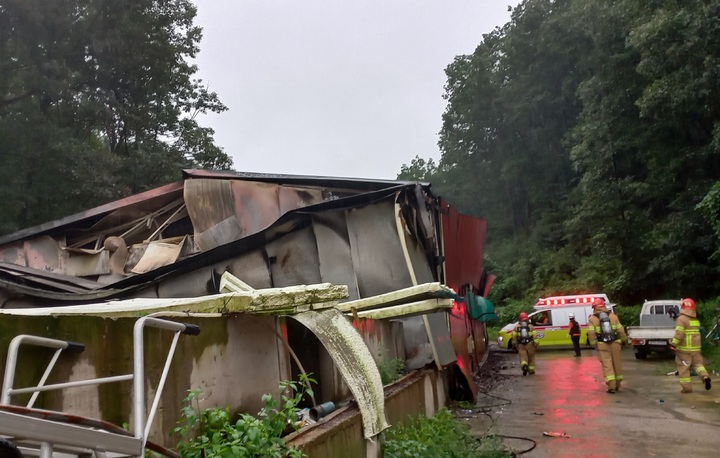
x: 319, y: 411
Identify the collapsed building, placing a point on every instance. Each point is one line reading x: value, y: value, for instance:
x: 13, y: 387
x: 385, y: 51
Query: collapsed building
x: 258, y: 261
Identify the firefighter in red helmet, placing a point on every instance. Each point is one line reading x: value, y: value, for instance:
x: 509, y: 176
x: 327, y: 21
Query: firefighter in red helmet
x: 608, y: 336
x: 525, y: 337
x: 687, y: 343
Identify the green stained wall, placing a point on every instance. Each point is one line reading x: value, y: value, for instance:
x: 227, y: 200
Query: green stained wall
x: 221, y: 361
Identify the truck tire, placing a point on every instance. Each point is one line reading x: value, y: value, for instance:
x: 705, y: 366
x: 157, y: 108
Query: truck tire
x: 639, y: 354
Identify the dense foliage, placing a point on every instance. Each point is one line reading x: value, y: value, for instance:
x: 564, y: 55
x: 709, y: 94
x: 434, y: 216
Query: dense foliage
x: 216, y: 433
x: 587, y: 133
x: 97, y: 101
x: 442, y: 435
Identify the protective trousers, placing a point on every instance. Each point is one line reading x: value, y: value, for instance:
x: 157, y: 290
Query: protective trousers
x: 610, y: 355
x: 576, y: 344
x: 527, y: 356
x: 687, y: 361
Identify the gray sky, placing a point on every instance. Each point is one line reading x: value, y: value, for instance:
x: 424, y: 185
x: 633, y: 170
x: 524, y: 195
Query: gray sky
x: 348, y: 88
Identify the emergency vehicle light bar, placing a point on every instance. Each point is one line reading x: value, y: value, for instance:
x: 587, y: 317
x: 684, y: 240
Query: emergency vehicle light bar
x: 566, y: 300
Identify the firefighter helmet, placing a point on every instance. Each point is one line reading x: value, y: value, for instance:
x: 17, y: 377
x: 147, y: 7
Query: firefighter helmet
x: 687, y: 304
x: 598, y: 302
x: 523, y: 316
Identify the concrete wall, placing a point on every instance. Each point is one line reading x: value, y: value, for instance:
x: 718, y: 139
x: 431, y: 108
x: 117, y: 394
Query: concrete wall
x: 422, y: 392
x: 234, y: 361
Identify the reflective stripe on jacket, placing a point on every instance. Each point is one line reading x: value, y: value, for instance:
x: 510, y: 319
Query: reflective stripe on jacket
x: 687, y: 332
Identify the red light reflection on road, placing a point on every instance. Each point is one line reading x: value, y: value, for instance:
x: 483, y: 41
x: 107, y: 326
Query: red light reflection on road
x: 575, y: 395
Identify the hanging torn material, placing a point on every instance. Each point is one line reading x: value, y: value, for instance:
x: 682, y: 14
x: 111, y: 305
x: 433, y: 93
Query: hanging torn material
x: 355, y: 363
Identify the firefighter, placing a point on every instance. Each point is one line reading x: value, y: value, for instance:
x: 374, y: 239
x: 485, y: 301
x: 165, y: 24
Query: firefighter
x: 524, y: 336
x: 686, y: 344
x: 574, y: 333
x: 608, y: 336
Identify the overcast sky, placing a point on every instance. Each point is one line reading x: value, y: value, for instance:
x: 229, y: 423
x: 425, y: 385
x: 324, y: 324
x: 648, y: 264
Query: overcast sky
x: 347, y: 88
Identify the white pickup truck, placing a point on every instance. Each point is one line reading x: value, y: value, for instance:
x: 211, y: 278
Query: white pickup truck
x: 657, y: 328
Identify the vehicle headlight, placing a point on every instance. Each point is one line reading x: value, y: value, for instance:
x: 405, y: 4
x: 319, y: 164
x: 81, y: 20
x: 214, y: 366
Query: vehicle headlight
x: 500, y: 340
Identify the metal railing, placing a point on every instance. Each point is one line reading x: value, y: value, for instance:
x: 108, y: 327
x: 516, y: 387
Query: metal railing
x: 50, y: 432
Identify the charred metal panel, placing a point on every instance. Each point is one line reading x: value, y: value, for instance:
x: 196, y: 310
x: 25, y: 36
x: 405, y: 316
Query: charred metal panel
x: 153, y: 198
x: 378, y: 258
x: 255, y: 205
x: 208, y: 202
x: 294, y: 259
x: 13, y: 254
x: 252, y: 268
x: 419, y: 260
x: 292, y: 198
x: 43, y: 254
x: 344, y: 185
x: 198, y: 282
x: 438, y: 334
x: 134, y: 223
x: 384, y: 338
x: 418, y: 351
x: 88, y: 264
x: 334, y: 255
x: 222, y: 233
x: 426, y: 218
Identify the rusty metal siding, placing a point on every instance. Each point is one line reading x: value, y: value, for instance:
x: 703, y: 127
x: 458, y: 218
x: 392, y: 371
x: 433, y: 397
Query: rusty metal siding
x: 208, y: 202
x: 464, y: 242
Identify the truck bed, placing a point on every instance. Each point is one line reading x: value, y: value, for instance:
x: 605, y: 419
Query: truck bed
x: 643, y: 332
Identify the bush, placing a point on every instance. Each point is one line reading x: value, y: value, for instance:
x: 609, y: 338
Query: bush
x: 629, y: 315
x: 211, y: 433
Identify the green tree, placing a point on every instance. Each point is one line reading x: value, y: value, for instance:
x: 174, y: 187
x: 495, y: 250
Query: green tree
x: 97, y: 101
x: 586, y: 133
x: 419, y: 170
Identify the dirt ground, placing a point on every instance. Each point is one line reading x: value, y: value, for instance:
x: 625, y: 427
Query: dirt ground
x: 567, y: 397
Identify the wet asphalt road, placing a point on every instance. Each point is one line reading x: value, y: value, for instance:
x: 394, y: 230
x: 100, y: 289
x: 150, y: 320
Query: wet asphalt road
x: 647, y: 418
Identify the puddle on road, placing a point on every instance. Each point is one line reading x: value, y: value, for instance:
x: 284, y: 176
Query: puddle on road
x: 567, y: 395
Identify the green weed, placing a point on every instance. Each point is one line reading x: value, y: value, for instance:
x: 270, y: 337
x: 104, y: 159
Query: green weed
x: 441, y: 436
x: 391, y: 370
x: 215, y: 433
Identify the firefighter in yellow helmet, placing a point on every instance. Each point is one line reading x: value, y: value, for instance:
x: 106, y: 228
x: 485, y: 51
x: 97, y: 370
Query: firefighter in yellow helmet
x: 686, y: 343
x: 525, y: 338
x: 608, y: 336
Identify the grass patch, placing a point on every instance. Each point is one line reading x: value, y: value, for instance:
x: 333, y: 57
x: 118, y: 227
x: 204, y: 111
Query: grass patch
x: 711, y: 359
x: 663, y: 366
x: 441, y: 436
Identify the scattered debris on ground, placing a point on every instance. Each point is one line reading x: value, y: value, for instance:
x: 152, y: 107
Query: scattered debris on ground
x: 488, y: 377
